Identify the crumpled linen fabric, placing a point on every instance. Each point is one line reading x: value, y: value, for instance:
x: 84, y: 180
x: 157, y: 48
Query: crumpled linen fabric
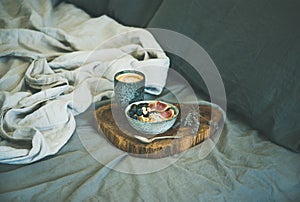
x: 54, y: 63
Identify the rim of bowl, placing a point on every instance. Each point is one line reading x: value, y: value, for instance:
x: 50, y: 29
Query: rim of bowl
x: 148, y: 101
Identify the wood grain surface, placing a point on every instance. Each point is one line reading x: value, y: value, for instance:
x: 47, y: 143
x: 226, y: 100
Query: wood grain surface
x: 113, y: 124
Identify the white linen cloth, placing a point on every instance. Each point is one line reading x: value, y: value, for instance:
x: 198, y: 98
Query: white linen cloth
x: 54, y: 63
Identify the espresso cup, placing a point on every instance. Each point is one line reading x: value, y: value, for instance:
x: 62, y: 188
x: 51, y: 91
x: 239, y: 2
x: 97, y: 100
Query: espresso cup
x: 129, y: 86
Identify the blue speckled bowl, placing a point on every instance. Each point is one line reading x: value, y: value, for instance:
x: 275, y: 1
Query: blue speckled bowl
x: 151, y: 128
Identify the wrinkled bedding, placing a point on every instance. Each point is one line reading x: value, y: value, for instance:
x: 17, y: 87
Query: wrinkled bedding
x: 55, y: 62
x: 241, y: 165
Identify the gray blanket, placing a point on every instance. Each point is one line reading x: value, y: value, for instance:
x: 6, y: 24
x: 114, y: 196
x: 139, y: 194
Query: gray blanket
x: 243, y: 166
x: 55, y: 62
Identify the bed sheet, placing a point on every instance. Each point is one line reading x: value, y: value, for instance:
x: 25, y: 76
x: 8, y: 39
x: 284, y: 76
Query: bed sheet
x: 56, y: 61
x: 243, y: 166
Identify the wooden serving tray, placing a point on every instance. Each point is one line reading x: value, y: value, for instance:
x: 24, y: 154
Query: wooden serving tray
x: 115, y: 127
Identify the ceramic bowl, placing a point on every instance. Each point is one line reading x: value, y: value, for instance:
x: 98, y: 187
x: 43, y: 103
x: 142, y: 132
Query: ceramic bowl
x: 152, y: 128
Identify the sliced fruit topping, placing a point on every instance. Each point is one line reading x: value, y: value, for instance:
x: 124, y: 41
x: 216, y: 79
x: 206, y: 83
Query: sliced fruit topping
x: 159, y: 106
x: 152, y: 106
x: 167, y: 114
